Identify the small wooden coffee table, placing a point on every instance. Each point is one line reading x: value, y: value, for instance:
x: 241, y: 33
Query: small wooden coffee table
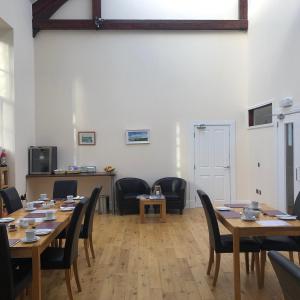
x: 146, y: 201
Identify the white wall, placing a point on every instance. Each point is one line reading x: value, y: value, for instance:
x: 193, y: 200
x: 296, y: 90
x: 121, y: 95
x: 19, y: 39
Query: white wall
x: 18, y: 15
x: 274, y: 64
x: 112, y: 81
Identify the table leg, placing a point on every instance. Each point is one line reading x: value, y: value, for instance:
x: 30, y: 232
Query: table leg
x: 236, y: 264
x: 36, y: 275
x: 163, y: 212
x: 142, y: 211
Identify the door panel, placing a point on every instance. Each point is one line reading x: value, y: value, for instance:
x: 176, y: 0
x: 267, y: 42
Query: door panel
x: 212, y: 163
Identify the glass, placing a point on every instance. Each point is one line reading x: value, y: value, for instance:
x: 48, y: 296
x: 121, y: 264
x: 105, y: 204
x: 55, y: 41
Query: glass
x: 157, y: 190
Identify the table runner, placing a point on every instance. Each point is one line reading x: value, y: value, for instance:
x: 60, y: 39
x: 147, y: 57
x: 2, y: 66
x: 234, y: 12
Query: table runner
x: 273, y: 212
x: 48, y: 225
x: 236, y: 205
x: 35, y: 215
x: 12, y: 242
x: 230, y: 214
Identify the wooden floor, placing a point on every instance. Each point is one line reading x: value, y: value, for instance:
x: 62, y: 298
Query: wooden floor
x: 154, y: 261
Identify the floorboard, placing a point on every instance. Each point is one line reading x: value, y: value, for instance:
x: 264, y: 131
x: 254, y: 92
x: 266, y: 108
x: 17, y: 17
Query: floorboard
x: 155, y: 261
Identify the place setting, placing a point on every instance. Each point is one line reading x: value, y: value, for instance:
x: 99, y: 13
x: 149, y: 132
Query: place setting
x: 30, y: 236
x: 6, y: 220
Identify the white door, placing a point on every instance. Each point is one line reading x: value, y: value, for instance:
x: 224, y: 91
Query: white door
x: 212, y: 163
x: 289, y: 160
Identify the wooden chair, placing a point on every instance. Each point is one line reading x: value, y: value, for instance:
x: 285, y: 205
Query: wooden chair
x: 224, y: 243
x: 14, y: 278
x: 288, y: 275
x: 11, y: 199
x: 63, y: 188
x: 64, y: 258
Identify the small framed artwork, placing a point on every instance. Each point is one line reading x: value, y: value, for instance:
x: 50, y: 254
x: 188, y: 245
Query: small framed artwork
x: 86, y: 138
x: 140, y: 136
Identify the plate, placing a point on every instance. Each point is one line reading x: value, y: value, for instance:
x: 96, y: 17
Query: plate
x: 6, y: 220
x: 78, y: 197
x: 286, y: 217
x: 38, y: 202
x: 69, y: 201
x: 223, y: 208
x: 49, y: 219
x: 43, y: 231
x: 30, y: 209
x: 67, y: 208
x: 24, y: 240
x: 248, y: 219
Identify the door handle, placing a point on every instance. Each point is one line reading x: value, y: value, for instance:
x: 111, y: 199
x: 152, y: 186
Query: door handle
x: 226, y: 167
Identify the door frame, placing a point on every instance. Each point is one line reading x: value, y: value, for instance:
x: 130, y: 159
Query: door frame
x: 281, y: 163
x: 232, y: 156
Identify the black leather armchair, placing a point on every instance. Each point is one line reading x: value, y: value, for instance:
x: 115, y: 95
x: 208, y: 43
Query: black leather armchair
x: 173, y: 188
x: 127, y: 189
x: 288, y: 275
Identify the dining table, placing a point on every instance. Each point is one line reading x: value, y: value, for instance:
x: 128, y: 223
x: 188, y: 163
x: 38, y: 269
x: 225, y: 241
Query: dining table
x: 266, y: 224
x: 20, y: 249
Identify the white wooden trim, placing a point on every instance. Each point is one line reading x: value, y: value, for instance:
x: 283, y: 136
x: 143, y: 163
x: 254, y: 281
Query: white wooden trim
x: 232, y: 156
x: 261, y: 126
x: 261, y: 104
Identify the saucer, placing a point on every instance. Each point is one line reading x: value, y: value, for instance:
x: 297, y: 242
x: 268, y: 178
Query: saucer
x: 243, y: 217
x: 286, y: 217
x: 24, y: 240
x: 223, y: 208
x: 49, y: 219
x: 43, y: 231
x: 69, y: 201
x: 30, y: 209
x: 6, y: 220
x: 37, y: 202
x: 67, y: 208
x: 78, y: 197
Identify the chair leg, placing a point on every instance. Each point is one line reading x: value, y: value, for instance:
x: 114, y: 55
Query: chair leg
x: 252, y: 262
x: 291, y: 256
x: 68, y: 283
x: 262, y: 270
x: 211, y: 260
x: 257, y: 267
x: 217, y: 268
x: 247, y: 262
x: 86, y: 249
x: 75, y: 269
x: 92, y: 246
x: 299, y: 257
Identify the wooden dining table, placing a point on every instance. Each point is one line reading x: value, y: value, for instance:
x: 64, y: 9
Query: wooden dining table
x: 240, y: 228
x: 34, y: 250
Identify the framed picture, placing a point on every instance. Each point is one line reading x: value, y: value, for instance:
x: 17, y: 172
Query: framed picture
x: 86, y: 138
x: 141, y: 136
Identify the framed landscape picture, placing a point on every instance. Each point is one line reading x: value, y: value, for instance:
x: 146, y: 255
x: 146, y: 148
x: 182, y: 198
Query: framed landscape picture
x: 86, y: 138
x: 140, y: 136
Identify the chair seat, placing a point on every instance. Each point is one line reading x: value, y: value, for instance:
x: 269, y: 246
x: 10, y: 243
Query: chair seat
x: 82, y: 235
x: 53, y: 258
x: 279, y: 243
x: 172, y: 196
x: 22, y: 278
x: 246, y: 244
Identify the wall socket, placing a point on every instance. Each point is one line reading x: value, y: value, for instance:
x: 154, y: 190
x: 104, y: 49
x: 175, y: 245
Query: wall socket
x: 258, y: 192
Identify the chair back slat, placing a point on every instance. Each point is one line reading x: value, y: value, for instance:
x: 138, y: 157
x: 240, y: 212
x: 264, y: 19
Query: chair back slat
x: 72, y: 236
x: 288, y: 275
x: 11, y: 199
x: 89, y: 213
x: 296, y: 210
x: 212, y: 223
x: 63, y: 188
x: 6, y: 273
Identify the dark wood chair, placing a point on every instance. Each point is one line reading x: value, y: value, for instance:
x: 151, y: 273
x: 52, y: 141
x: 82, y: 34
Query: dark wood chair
x: 86, y: 232
x: 14, y: 278
x: 224, y: 243
x: 63, y: 188
x: 288, y: 275
x: 11, y: 199
x: 54, y: 258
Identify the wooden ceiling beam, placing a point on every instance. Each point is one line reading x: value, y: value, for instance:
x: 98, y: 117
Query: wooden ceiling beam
x: 143, y: 25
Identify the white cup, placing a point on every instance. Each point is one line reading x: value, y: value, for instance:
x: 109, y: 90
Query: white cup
x: 30, y: 205
x: 254, y: 204
x: 24, y: 223
x: 43, y: 196
x: 249, y: 213
x: 45, y: 205
x: 70, y: 197
x: 30, y: 234
x: 31, y: 221
x: 50, y: 214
